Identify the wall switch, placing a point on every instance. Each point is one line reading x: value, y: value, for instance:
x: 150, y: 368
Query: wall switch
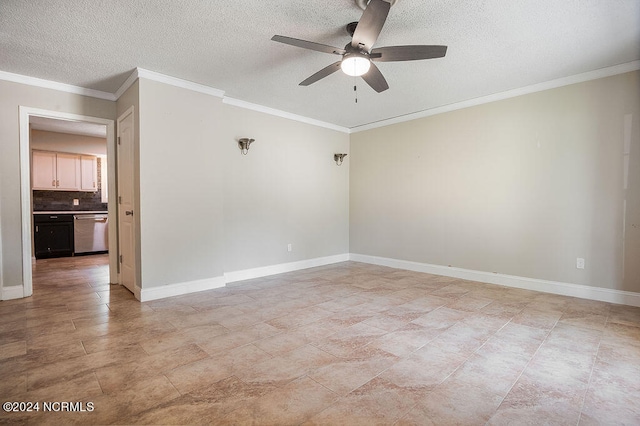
x: 289, y: 247
x: 76, y: 202
x: 580, y: 263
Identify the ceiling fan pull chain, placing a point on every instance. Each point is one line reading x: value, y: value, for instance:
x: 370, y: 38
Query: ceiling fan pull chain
x: 355, y: 88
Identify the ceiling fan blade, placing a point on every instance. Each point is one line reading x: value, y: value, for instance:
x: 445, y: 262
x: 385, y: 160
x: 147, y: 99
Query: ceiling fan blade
x: 407, y: 53
x: 308, y: 45
x: 324, y: 72
x: 370, y: 24
x: 375, y: 79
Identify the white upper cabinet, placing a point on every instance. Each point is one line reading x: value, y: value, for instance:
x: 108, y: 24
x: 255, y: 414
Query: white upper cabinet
x: 89, y: 173
x: 56, y: 171
x: 68, y: 166
x: 43, y: 170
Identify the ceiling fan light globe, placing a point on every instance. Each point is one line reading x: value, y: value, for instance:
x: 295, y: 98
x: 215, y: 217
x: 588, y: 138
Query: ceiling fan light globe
x: 355, y: 65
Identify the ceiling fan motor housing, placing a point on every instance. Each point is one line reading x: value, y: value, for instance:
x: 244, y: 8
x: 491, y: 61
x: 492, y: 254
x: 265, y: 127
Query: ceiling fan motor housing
x: 351, y: 28
x: 362, y: 4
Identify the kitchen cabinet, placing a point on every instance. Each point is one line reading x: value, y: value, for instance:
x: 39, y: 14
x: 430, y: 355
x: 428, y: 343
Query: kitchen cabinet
x: 43, y: 170
x: 68, y: 172
x: 53, y: 235
x: 89, y: 173
x: 56, y: 171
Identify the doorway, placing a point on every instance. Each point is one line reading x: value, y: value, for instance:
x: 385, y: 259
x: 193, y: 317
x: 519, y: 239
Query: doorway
x: 64, y: 121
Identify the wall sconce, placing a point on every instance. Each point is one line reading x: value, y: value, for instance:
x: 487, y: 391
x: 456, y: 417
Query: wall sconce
x: 339, y: 158
x: 244, y: 144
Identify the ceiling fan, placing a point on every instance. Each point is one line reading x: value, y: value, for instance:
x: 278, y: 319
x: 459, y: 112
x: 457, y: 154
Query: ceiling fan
x: 358, y: 55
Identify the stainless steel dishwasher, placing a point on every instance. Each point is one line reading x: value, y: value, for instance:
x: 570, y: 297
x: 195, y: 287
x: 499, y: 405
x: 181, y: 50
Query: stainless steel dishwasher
x: 90, y: 233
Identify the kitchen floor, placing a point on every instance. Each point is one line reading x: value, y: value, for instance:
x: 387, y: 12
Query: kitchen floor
x: 342, y: 344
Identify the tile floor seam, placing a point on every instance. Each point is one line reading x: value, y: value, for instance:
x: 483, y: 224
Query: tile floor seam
x: 311, y: 378
x: 522, y: 372
x: 474, y: 352
x: 83, y: 347
x: 593, y: 366
x: 333, y: 403
x: 408, y: 410
x: 595, y: 361
x: 467, y: 358
x: 164, y: 373
x: 95, y: 374
x: 173, y: 386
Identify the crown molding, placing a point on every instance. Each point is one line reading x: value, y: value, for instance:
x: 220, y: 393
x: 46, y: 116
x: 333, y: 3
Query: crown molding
x: 166, y: 79
x: 162, y: 78
x: 271, y: 111
x: 62, y: 87
x: 552, y: 84
x: 127, y: 83
x: 178, y: 82
x: 173, y: 81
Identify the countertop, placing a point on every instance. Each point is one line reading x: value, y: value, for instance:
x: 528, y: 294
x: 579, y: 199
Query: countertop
x: 72, y: 212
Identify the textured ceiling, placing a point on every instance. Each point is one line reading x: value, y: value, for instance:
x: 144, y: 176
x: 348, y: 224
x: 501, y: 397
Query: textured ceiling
x: 494, y: 46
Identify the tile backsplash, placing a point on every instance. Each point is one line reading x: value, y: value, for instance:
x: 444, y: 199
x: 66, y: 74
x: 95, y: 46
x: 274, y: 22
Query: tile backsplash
x: 63, y: 200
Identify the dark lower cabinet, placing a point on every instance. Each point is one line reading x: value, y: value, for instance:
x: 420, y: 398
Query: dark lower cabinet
x: 53, y: 235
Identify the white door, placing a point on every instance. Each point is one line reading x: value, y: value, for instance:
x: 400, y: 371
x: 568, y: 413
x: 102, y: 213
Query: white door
x: 126, y: 213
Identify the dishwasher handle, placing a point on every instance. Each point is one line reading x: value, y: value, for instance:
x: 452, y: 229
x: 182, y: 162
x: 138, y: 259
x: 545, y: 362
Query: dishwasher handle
x: 91, y: 217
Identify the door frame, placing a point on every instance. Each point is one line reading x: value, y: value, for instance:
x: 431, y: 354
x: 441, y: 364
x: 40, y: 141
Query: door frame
x: 136, y: 284
x: 25, y: 189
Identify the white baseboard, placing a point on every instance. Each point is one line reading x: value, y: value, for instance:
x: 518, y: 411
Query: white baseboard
x: 555, y: 287
x: 13, y: 292
x: 153, y: 293
x: 136, y: 292
x: 281, y: 268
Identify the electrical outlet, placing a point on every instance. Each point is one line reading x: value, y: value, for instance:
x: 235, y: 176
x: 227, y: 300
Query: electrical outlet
x: 289, y: 247
x: 76, y: 202
x: 580, y: 263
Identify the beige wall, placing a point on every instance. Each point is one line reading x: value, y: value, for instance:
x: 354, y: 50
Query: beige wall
x: 180, y: 185
x: 286, y: 190
x: 205, y: 209
x: 64, y: 142
x: 522, y: 186
x: 13, y: 96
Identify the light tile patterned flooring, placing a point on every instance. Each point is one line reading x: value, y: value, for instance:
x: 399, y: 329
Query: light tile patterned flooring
x: 344, y: 344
